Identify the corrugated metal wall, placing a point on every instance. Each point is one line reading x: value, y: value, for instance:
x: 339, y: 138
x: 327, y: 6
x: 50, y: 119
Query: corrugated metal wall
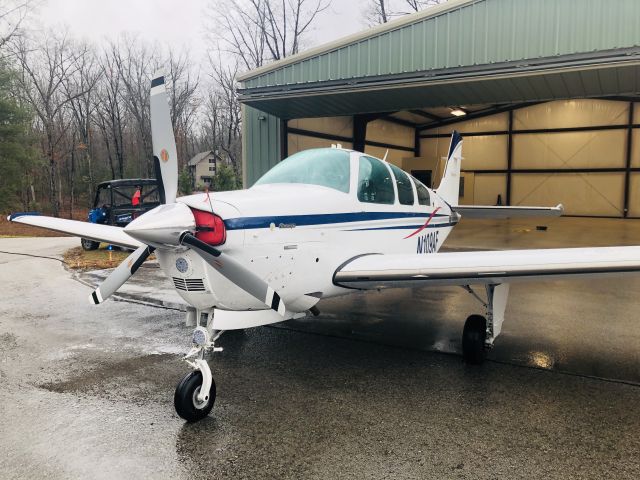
x: 261, y: 143
x: 481, y: 32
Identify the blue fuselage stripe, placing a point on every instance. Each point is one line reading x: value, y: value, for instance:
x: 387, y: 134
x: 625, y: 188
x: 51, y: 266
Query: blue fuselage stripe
x: 247, y: 223
x: 403, y: 227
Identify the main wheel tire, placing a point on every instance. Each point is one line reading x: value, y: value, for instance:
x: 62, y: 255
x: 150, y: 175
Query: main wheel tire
x: 185, y: 399
x: 473, y: 337
x: 89, y: 244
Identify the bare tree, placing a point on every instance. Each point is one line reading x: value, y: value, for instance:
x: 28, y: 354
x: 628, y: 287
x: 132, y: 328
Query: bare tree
x: 80, y: 88
x: 110, y: 113
x: 136, y: 64
x: 378, y: 12
x: 417, y: 5
x: 43, y: 70
x: 382, y: 11
x: 229, y: 113
x: 256, y: 31
x: 12, y: 16
x: 182, y: 85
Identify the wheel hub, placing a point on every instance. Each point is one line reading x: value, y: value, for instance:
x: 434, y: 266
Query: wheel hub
x: 197, y: 403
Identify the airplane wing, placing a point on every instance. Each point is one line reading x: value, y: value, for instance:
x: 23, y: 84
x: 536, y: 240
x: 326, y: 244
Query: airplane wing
x: 92, y: 231
x: 485, y: 267
x: 482, y: 211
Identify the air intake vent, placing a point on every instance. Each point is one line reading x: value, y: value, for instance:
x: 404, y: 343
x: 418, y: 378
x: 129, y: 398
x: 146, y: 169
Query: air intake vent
x: 189, y: 284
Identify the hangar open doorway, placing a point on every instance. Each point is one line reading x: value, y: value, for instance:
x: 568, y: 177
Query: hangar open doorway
x: 547, y: 101
x: 584, y: 153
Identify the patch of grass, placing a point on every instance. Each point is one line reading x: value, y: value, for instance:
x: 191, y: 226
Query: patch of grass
x: 79, y: 259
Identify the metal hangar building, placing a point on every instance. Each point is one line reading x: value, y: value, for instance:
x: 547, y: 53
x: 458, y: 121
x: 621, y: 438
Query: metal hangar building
x: 545, y: 94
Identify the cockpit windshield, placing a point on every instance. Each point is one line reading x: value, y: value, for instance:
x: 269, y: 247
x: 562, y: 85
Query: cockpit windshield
x: 328, y: 167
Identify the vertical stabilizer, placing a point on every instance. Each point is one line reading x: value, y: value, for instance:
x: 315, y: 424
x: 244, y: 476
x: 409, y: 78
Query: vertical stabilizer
x: 449, y: 188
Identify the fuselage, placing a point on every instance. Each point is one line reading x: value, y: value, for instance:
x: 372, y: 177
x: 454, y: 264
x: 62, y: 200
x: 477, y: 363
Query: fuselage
x: 295, y: 236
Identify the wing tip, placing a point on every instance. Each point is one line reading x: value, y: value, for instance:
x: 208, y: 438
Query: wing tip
x: 13, y: 216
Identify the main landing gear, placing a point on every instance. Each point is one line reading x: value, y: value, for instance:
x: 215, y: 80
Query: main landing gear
x: 480, y: 332
x: 196, y: 392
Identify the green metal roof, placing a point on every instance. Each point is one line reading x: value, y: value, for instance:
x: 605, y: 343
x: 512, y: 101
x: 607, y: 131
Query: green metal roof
x: 446, y: 55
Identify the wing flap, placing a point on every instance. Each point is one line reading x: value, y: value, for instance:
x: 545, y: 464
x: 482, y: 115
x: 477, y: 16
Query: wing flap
x: 486, y: 211
x: 486, y: 267
x: 92, y: 231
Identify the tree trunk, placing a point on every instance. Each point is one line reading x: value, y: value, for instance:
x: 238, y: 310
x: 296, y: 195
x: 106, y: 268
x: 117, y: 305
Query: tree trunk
x: 53, y: 176
x: 72, y: 180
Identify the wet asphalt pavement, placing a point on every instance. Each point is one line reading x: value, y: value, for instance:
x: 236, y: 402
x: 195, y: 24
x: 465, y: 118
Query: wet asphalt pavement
x: 87, y: 392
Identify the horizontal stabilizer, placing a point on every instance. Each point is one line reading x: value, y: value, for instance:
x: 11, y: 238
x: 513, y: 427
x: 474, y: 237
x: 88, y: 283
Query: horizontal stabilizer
x: 486, y: 211
x: 92, y: 231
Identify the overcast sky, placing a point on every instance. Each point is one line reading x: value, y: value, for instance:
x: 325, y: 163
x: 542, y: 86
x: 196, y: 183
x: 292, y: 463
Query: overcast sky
x: 178, y: 23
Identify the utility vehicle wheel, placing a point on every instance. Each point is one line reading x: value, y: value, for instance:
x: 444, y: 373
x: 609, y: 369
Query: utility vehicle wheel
x: 473, y: 337
x: 186, y: 398
x: 89, y: 244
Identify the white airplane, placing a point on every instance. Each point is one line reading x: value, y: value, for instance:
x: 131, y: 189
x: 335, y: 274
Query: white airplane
x: 319, y: 224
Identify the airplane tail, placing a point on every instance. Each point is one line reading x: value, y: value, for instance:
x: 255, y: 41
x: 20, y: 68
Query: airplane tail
x: 449, y: 188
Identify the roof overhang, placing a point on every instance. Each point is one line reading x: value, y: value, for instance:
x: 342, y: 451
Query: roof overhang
x: 596, y: 74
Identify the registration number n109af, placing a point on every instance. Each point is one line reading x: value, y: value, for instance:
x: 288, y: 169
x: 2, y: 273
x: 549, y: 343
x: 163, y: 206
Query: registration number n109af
x: 428, y: 243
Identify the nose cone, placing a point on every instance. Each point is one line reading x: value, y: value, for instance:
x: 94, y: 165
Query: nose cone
x: 162, y: 225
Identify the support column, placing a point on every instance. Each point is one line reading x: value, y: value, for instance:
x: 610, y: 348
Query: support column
x: 359, y: 132
x: 627, y: 172
x: 509, y: 156
x: 284, y: 139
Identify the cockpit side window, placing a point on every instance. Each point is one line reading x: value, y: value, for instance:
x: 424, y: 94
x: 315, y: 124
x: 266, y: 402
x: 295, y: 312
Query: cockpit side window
x: 423, y: 193
x: 375, y: 184
x: 405, y: 190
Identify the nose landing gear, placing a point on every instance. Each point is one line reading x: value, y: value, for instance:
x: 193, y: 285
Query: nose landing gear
x: 196, y: 392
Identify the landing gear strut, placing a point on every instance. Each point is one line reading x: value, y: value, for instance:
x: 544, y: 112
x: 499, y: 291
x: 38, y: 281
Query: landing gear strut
x: 480, y: 332
x: 196, y: 392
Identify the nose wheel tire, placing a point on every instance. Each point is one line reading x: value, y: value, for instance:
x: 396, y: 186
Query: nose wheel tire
x: 473, y: 339
x: 186, y: 401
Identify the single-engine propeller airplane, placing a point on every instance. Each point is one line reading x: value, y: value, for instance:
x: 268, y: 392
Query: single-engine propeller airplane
x: 319, y: 224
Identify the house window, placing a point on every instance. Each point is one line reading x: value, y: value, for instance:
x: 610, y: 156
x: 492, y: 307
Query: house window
x: 212, y: 160
x: 212, y: 169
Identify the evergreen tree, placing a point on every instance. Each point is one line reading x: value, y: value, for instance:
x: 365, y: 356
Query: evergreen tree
x: 225, y: 179
x: 17, y: 155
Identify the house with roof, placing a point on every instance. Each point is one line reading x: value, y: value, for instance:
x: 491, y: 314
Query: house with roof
x: 204, y: 166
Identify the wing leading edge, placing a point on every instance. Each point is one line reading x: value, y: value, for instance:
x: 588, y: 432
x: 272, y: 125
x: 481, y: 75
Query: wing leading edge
x: 92, y: 231
x: 486, y: 267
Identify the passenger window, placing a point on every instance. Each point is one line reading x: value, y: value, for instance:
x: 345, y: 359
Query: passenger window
x: 405, y: 190
x: 374, y: 182
x: 423, y: 193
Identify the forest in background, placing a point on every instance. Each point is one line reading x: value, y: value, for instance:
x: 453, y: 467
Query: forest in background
x: 73, y: 114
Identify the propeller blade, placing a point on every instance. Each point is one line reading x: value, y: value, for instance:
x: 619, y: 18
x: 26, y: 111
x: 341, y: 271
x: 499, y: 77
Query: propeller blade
x: 165, y: 156
x: 236, y: 273
x: 121, y: 274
